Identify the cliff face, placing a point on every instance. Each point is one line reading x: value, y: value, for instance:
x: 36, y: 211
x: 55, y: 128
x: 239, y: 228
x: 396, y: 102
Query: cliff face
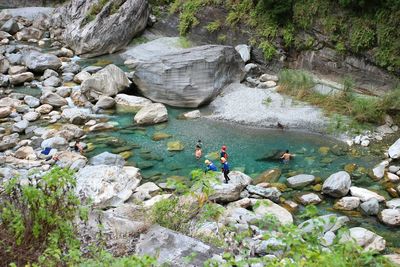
x: 319, y: 57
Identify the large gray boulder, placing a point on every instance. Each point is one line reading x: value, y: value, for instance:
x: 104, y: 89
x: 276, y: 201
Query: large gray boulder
x: 394, y: 150
x: 300, y: 180
x: 21, y: 78
x: 229, y: 192
x: 151, y: 114
x: 39, y: 62
x: 183, y: 77
x: 131, y: 102
x: 110, y: 30
x: 172, y: 248
x: 107, y: 82
x: 271, y: 193
x: 337, y: 185
x: 107, y: 185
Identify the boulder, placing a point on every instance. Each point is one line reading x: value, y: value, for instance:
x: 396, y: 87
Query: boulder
x: 364, y: 238
x: 29, y: 33
x: 4, y: 64
x: 266, y: 207
x: 17, y: 70
x: 309, y: 198
x: 107, y: 185
x: 365, y: 194
x: 73, y: 160
x: 9, y: 141
x: 300, y: 180
x: 268, y: 176
x: 370, y: 207
x: 131, y: 102
x: 244, y: 51
x: 102, y: 126
x: 56, y: 142
x: 10, y: 26
x: 81, y: 77
x: 180, y: 77
x: 44, y: 109
x: 5, y: 112
x: 63, y: 91
x: 146, y: 191
x: 52, y: 81
x: 379, y: 171
x: 224, y: 193
x: 105, y: 102
x: 390, y: 217
x: 9, y: 102
x: 20, y: 126
x: 394, y: 150
x: 151, y: 114
x: 347, y: 203
x: 39, y: 62
x: 271, y: 193
x: 238, y: 215
x: 107, y: 158
x: 337, y: 185
x: 393, y: 177
x: 148, y: 204
x: 110, y: 30
x: 393, y: 204
x: 4, y: 80
x: 31, y: 116
x: 25, y: 152
x: 21, y: 78
x: 107, y: 82
x: 31, y: 101
x: 53, y: 99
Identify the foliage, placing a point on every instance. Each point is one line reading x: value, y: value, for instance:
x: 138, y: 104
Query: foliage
x: 36, y: 220
x: 184, y: 42
x: 213, y: 26
x: 105, y: 259
x: 268, y: 49
x: 211, y: 211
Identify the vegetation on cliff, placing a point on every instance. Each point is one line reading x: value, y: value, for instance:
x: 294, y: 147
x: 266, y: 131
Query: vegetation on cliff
x: 367, y: 27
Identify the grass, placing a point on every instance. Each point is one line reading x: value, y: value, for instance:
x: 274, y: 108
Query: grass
x: 362, y: 110
x: 184, y: 42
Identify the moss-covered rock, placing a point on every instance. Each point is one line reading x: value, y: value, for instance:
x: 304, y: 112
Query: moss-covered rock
x: 175, y: 146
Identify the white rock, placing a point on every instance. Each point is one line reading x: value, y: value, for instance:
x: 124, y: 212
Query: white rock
x: 393, y: 177
x: 365, y: 143
x: 310, y: 198
x: 379, y: 171
x: 131, y: 102
x: 151, y: 114
x: 192, y: 114
x: 300, y: 180
x: 394, y: 150
x: 347, y: 203
x: 266, y: 207
x: 393, y: 204
x: 365, y: 238
x: 244, y: 51
x: 365, y: 194
x: 337, y: 185
x: 149, y: 203
x: 268, y: 77
x: 390, y: 217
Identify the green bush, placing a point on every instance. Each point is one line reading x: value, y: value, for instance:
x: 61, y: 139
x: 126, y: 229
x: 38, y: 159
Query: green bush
x: 36, y: 220
x: 362, y: 36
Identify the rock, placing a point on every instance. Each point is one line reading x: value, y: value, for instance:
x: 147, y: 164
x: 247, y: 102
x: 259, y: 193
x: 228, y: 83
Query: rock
x: 365, y: 143
x: 107, y: 82
x: 238, y: 215
x: 4, y: 64
x: 365, y: 194
x: 105, y: 102
x: 385, y: 129
x: 393, y: 177
x: 151, y: 114
x: 150, y: 203
x: 102, y: 126
x: 146, y: 191
x: 107, y: 185
x: 21, y: 78
x: 5, y: 112
x: 106, y: 33
x: 70, y: 67
x: 393, y: 204
x: 130, y: 102
x: 195, y: 114
x: 175, y: 146
x: 107, y: 158
x: 4, y: 79
x: 324, y: 223
x: 268, y: 84
x: 22, y: 109
x: 76, y: 131
x: 310, y: 198
x: 370, y: 207
x: 31, y: 116
x: 244, y: 51
x: 20, y: 126
x: 9, y: 102
x: 394, y: 150
x: 223, y: 193
x: 268, y: 77
x: 171, y: 248
x: 394, y: 169
x: 364, y: 238
x: 181, y: 77
x: 92, y: 69
x: 10, y: 26
x: 29, y: 33
x: 390, y: 217
x: 347, y: 203
x: 44, y: 109
x: 17, y: 70
x: 268, y: 176
x: 267, y: 207
x: 52, y: 81
x: 39, y: 62
x: 81, y: 77
x: 31, y: 101
x: 337, y: 185
x: 53, y: 99
x: 9, y: 141
x: 68, y: 159
x: 271, y: 193
x: 63, y: 91
x: 56, y: 142
x: 300, y: 180
x: 395, y: 258
x: 25, y: 152
x: 157, y: 136
x: 379, y: 171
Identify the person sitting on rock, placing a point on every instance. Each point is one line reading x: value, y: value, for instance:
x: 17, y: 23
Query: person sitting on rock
x: 78, y: 147
x: 210, y: 166
x: 225, y: 169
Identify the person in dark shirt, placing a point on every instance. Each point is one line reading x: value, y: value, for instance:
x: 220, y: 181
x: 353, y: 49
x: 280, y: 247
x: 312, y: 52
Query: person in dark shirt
x: 225, y: 169
x: 223, y: 153
x: 210, y: 166
x: 78, y: 147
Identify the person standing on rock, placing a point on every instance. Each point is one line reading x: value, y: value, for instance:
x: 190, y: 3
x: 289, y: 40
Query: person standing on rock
x: 225, y: 169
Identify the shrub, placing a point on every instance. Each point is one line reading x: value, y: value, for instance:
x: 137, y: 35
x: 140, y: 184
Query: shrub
x: 366, y: 109
x: 296, y: 83
x: 213, y: 26
x: 268, y: 49
x: 36, y: 220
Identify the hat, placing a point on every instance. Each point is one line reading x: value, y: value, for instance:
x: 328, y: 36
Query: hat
x: 223, y: 147
x: 207, y: 161
x: 223, y: 159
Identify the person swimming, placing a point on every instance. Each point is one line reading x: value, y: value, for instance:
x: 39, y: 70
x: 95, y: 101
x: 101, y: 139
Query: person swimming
x: 225, y: 169
x: 198, y: 152
x: 210, y: 166
x: 286, y: 157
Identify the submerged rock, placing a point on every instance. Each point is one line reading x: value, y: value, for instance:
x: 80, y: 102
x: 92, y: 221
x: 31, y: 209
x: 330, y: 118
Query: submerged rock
x: 268, y: 176
x: 107, y: 158
x: 116, y: 23
x: 183, y: 77
x: 175, y: 146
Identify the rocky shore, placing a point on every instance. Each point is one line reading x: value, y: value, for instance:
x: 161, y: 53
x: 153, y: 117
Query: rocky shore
x: 73, y: 102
